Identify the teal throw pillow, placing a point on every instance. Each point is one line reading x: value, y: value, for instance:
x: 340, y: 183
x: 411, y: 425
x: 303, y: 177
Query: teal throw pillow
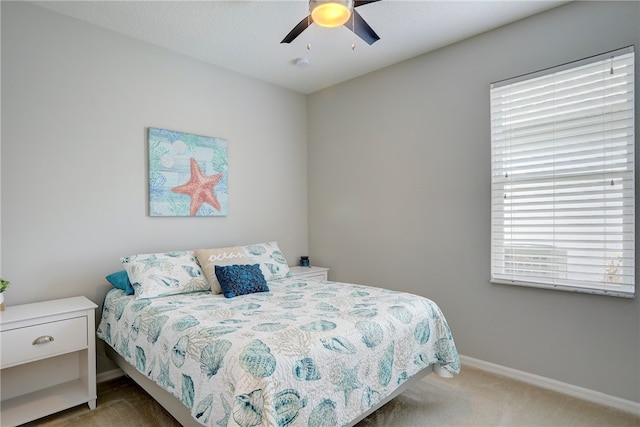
x: 120, y: 280
x: 238, y: 280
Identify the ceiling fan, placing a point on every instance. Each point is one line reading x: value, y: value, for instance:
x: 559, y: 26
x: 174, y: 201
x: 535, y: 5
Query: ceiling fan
x: 333, y: 13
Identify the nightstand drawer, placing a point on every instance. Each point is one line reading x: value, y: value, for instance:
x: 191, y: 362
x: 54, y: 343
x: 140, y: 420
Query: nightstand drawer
x: 39, y: 341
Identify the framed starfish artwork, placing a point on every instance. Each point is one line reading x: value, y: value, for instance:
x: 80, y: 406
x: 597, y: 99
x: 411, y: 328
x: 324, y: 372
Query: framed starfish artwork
x: 187, y: 174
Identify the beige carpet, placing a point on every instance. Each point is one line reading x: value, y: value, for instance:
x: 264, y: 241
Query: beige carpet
x: 473, y: 398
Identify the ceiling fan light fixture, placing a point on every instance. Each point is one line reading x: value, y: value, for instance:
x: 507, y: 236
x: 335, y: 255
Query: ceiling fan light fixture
x: 330, y: 13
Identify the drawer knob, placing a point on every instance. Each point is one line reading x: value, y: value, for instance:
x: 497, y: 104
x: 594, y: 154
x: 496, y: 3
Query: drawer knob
x: 42, y: 340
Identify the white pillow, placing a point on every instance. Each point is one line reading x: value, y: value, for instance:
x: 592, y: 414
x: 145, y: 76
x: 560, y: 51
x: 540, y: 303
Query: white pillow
x: 268, y: 255
x: 160, y: 274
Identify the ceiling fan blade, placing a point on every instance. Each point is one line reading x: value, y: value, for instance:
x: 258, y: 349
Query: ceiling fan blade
x: 357, y: 3
x: 359, y: 26
x: 297, y: 30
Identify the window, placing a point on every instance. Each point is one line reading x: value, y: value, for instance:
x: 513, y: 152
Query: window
x: 562, y: 179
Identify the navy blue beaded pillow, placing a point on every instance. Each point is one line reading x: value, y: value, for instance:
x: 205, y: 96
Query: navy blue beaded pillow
x: 241, y: 279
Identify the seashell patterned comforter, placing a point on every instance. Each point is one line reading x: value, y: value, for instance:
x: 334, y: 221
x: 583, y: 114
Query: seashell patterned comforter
x: 306, y: 353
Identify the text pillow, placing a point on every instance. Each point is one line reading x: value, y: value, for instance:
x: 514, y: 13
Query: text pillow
x: 267, y: 255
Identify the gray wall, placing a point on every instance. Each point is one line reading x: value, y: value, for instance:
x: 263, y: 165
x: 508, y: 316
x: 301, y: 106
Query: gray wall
x: 399, y: 188
x: 76, y: 102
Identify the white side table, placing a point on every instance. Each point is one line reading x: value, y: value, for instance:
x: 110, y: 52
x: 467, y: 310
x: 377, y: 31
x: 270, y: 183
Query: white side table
x: 313, y: 272
x: 48, y: 358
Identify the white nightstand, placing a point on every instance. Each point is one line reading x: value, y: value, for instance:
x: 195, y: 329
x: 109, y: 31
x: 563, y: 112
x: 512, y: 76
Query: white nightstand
x: 315, y: 273
x: 48, y: 358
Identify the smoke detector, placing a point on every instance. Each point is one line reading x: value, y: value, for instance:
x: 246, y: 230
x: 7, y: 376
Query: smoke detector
x: 302, y: 62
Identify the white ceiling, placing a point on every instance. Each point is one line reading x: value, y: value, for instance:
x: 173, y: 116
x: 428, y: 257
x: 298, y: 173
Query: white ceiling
x: 244, y: 36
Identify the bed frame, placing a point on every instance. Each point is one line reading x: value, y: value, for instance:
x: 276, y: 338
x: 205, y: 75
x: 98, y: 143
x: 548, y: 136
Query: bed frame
x: 184, y: 417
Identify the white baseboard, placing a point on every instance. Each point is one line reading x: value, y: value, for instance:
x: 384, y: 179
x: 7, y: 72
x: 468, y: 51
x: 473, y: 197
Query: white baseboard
x: 557, y: 386
x: 109, y: 375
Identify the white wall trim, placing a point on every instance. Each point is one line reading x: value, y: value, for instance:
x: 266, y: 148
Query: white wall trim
x: 554, y: 385
x: 109, y: 375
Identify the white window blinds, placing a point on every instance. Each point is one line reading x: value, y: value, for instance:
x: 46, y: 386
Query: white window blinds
x: 562, y: 180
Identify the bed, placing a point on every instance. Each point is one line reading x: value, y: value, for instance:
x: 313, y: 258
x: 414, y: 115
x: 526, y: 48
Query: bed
x: 304, y: 353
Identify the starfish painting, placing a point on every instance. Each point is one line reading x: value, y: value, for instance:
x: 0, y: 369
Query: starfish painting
x: 199, y: 188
